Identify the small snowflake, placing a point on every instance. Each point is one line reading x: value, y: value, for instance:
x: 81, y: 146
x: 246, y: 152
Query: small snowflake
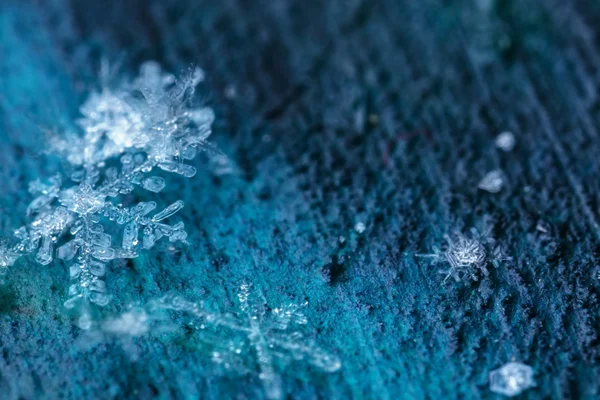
x: 466, y: 255
x: 511, y: 379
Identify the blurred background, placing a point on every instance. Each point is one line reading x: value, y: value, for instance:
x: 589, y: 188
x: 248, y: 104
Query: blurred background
x: 361, y: 132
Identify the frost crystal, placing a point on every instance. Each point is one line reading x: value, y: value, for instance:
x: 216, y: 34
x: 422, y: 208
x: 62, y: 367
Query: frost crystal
x: 511, y: 379
x: 492, y: 182
x: 505, y: 141
x: 267, y: 334
x: 465, y: 256
x: 359, y: 227
x: 125, y: 135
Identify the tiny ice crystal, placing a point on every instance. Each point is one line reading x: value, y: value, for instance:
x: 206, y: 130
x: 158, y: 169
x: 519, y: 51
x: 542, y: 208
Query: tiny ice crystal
x: 505, y: 141
x: 359, y: 227
x: 492, y: 182
x: 511, y: 379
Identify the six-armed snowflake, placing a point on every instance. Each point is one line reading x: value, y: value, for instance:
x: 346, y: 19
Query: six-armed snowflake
x: 124, y: 135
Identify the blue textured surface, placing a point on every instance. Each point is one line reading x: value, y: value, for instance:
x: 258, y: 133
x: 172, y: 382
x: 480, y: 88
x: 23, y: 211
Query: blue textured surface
x: 382, y: 112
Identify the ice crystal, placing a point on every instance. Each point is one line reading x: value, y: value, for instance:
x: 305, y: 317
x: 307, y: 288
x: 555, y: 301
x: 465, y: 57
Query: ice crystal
x: 359, y: 227
x: 124, y: 135
x: 505, y: 141
x: 465, y: 256
x: 269, y: 335
x: 511, y: 379
x: 492, y: 182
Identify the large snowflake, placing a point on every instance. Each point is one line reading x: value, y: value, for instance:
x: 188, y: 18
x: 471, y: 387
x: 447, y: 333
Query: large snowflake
x: 253, y: 337
x: 124, y: 135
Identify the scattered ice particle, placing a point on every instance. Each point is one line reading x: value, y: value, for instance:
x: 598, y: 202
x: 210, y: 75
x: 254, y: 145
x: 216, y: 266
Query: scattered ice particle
x: 492, y: 182
x: 542, y: 227
x: 511, y: 379
x: 359, y: 227
x: 341, y: 239
x: 505, y: 141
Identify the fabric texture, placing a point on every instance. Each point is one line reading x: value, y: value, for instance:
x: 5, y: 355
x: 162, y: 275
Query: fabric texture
x: 335, y: 114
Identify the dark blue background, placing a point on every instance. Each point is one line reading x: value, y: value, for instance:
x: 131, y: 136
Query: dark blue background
x: 335, y: 112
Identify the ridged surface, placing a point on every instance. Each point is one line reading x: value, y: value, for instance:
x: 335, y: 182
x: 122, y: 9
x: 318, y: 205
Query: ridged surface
x: 335, y: 112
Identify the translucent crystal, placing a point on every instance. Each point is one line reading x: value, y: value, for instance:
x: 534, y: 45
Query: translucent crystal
x: 8, y: 255
x: 103, y: 254
x: 130, y: 235
x: 359, y: 227
x: 492, y: 182
x: 148, y: 241
x: 85, y: 200
x: 505, y: 141
x: 97, y: 268
x: 144, y: 208
x: 44, y: 255
x: 126, y: 253
x: 74, y: 290
x: 51, y: 222
x: 74, y: 271
x: 101, y: 239
x: 464, y: 252
x: 99, y: 298
x: 183, y: 169
x: 189, y: 153
x: 72, y: 302
x: 167, y: 212
x: 76, y: 227
x: 511, y: 379
x: 38, y: 203
x: 154, y: 184
x: 465, y: 255
x: 97, y: 285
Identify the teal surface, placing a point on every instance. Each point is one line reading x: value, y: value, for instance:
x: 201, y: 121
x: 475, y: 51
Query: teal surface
x: 334, y: 113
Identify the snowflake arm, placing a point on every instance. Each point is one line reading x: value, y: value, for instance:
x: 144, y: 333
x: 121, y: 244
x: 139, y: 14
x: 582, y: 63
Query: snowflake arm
x: 124, y: 134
